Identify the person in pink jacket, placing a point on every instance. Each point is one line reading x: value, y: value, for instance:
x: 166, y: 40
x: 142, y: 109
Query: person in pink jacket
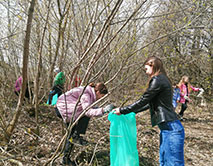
x: 18, y: 85
x: 65, y: 109
x: 185, y: 89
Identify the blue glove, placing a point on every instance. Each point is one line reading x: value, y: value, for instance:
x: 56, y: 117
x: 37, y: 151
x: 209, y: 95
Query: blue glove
x: 108, y: 108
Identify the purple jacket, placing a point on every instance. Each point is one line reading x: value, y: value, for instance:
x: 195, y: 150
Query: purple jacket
x: 18, y: 84
x: 86, y: 100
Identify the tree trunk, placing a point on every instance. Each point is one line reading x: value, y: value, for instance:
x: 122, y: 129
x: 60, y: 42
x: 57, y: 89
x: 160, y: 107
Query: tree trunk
x: 39, y: 64
x: 24, y: 71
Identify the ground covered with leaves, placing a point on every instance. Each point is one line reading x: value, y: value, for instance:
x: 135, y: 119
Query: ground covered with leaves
x: 29, y: 149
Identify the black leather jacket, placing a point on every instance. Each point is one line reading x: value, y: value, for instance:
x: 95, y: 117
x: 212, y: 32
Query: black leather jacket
x: 157, y: 98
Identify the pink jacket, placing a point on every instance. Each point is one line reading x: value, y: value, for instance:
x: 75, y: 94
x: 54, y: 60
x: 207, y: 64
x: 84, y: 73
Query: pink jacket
x: 183, y: 92
x: 18, y: 84
x: 86, y: 100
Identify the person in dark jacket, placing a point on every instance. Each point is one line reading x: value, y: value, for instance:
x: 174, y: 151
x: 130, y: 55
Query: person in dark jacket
x: 158, y: 99
x: 58, y: 85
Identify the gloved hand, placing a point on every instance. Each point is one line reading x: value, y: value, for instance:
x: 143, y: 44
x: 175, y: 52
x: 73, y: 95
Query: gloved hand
x: 201, y: 92
x: 108, y: 108
x: 186, y: 97
x: 201, y: 89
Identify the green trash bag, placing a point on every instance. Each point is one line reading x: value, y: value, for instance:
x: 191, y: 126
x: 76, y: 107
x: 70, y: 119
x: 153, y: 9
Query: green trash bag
x: 123, y: 140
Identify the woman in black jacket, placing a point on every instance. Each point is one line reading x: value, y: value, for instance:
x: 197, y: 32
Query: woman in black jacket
x: 158, y: 99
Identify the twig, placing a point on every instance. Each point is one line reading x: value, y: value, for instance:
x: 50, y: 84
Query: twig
x: 95, y: 150
x: 9, y: 159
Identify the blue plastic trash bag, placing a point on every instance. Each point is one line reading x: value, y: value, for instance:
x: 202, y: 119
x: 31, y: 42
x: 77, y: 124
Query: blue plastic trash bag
x: 123, y: 140
x: 54, y: 99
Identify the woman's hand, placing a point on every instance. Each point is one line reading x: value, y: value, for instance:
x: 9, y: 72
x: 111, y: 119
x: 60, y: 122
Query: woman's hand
x: 117, y: 111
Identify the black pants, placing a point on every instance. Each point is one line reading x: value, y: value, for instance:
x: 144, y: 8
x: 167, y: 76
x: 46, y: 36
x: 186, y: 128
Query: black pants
x: 183, y: 108
x: 55, y: 90
x: 27, y: 95
x: 79, y: 128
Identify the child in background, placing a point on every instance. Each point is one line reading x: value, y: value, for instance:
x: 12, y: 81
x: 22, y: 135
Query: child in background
x: 185, y: 90
x: 176, y: 96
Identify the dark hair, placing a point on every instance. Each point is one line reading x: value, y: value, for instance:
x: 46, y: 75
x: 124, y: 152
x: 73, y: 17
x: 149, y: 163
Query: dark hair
x: 157, y: 65
x: 101, y: 87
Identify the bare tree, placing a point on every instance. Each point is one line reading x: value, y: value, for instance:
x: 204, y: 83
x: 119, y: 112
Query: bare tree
x: 103, y: 41
x: 24, y: 71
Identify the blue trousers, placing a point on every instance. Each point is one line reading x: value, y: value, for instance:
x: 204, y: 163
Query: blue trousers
x: 172, y: 144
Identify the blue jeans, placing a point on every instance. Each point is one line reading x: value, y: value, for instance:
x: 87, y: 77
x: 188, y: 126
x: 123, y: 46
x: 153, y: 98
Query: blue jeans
x: 171, y: 144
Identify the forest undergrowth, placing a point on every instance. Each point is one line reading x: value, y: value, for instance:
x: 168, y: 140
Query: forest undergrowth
x: 28, y: 149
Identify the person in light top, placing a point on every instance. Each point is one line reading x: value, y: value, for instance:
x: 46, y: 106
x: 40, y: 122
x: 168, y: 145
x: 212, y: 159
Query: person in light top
x: 65, y: 108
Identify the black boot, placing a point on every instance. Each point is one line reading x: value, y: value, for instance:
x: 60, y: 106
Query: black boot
x: 67, y: 161
x: 67, y: 151
x: 78, y: 140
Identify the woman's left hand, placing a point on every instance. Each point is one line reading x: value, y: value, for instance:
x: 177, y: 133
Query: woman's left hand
x: 117, y: 111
